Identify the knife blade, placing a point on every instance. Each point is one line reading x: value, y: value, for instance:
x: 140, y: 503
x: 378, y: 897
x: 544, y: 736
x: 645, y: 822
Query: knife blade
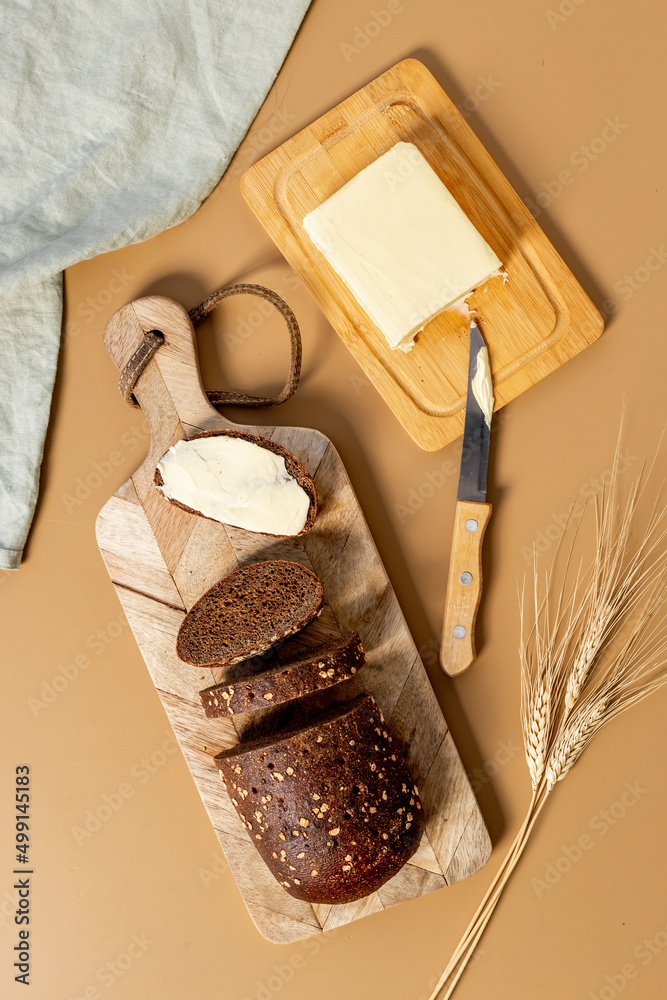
x: 476, y: 433
x: 464, y: 585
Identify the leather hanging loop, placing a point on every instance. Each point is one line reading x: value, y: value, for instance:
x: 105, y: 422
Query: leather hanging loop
x: 230, y: 397
x: 222, y: 397
x: 133, y: 370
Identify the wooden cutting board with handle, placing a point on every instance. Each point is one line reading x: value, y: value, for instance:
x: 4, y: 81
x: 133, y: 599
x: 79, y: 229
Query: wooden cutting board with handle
x: 161, y: 559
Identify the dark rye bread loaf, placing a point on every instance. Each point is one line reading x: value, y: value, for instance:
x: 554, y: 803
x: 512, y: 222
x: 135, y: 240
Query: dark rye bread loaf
x: 247, y: 612
x: 293, y: 467
x: 330, y: 805
x: 313, y: 670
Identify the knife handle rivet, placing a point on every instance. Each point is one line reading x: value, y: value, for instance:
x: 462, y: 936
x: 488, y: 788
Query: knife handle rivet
x: 466, y: 578
x: 472, y: 525
x: 458, y: 632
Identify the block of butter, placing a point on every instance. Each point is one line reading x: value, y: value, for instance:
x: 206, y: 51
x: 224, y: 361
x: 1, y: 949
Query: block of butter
x: 401, y: 243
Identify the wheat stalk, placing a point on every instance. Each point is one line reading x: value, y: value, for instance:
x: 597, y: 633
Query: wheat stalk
x: 619, y: 577
x: 572, y: 742
x: 536, y: 733
x: 601, y: 651
x: 543, y: 656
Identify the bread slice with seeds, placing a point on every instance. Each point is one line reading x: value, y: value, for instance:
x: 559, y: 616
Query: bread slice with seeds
x: 313, y: 670
x: 329, y: 805
x: 247, y: 612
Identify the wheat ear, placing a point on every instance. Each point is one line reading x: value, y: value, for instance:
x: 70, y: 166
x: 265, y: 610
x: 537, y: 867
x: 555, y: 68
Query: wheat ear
x: 619, y: 578
x: 601, y: 652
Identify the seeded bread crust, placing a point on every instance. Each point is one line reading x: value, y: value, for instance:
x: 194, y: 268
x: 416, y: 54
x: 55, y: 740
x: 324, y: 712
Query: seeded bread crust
x: 330, y: 806
x: 314, y: 670
x: 293, y: 466
x: 247, y: 612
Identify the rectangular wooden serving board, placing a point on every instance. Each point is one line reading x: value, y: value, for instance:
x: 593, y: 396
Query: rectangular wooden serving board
x: 161, y: 559
x: 536, y: 319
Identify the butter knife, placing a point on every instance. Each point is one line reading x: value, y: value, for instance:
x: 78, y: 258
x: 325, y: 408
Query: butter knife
x: 464, y: 586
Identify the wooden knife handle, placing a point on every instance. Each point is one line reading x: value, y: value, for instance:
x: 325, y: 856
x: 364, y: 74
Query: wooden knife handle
x: 464, y: 587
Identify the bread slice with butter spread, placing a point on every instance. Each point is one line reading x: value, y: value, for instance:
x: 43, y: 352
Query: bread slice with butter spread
x: 241, y: 479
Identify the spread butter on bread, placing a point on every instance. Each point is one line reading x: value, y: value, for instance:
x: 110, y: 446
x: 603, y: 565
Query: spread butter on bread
x: 241, y: 479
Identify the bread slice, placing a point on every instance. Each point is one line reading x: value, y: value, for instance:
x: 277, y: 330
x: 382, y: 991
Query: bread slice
x: 330, y: 806
x: 313, y: 670
x: 293, y: 466
x: 247, y: 612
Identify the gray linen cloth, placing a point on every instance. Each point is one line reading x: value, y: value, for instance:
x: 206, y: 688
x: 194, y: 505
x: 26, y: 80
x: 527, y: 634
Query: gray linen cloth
x: 116, y: 120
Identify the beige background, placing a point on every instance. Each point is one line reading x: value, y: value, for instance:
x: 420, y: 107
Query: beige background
x: 154, y: 869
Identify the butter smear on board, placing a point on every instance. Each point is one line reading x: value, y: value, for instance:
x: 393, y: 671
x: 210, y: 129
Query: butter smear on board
x: 401, y: 243
x: 235, y: 482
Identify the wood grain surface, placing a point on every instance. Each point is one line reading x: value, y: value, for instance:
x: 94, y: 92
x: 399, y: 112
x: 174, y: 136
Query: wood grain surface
x: 162, y: 559
x: 536, y: 319
x: 464, y: 592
